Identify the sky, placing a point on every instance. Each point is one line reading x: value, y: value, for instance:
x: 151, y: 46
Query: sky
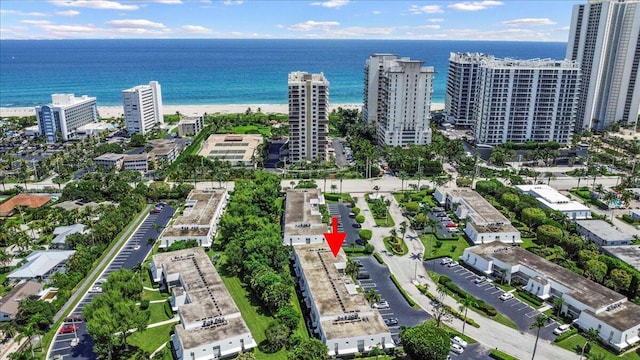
x: 505, y: 20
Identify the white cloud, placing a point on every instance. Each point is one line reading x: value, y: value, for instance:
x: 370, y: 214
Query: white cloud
x: 280, y: 26
x: 331, y: 3
x: 168, y: 2
x: 36, y: 22
x: 564, y: 28
x: 196, y: 29
x: 529, y: 22
x: 232, y: 2
x: 376, y: 12
x: 359, y: 31
x: 427, y: 27
x: 497, y: 35
x: 95, y: 4
x: 22, y: 13
x: 435, y: 20
x: 474, y: 5
x: 426, y: 9
x: 135, y: 23
x: 310, y: 25
x: 68, y: 13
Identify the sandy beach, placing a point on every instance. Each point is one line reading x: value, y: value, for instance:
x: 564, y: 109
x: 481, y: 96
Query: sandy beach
x: 107, y: 112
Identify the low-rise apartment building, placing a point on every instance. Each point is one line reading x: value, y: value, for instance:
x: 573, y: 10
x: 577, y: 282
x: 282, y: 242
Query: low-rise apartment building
x: 211, y: 326
x: 550, y: 198
x: 109, y: 160
x: 10, y: 301
x: 199, y: 220
x: 602, y: 233
x: 164, y: 151
x: 302, y: 218
x: 190, y: 125
x: 238, y: 150
x: 594, y: 306
x: 484, y: 222
x: 338, y: 313
x: 137, y: 162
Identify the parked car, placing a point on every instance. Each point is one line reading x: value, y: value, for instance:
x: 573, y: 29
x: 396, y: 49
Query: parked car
x: 74, y: 318
x: 440, y: 214
x: 452, y: 264
x: 445, y: 260
x: 459, y: 341
x: 391, y: 322
x: 357, y: 226
x: 381, y: 305
x: 506, y: 296
x: 352, y: 215
x: 96, y: 289
x: 562, y: 329
x: 445, y: 220
x: 457, y: 348
x: 362, y: 275
x: 451, y: 225
x: 480, y: 279
x: 68, y: 329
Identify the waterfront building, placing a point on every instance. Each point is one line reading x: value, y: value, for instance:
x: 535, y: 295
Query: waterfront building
x: 164, y: 151
x: 302, y: 218
x: 59, y: 120
x: 211, y: 325
x: 550, y: 198
x: 397, y: 99
x: 142, y: 106
x: 592, y: 305
x: 338, y: 312
x: 605, y: 39
x: 462, y: 87
x: 238, y: 150
x: 525, y: 100
x: 308, y: 116
x: 190, y: 125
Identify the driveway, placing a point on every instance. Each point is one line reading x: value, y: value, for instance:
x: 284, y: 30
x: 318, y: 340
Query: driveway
x: 520, y: 313
x: 398, y: 306
x: 134, y: 251
x: 341, y: 211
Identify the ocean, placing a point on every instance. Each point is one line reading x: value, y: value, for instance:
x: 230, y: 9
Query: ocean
x: 216, y: 71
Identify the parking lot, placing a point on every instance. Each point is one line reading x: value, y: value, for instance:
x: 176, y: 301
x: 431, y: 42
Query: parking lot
x: 520, y: 313
x: 131, y: 254
x: 345, y: 224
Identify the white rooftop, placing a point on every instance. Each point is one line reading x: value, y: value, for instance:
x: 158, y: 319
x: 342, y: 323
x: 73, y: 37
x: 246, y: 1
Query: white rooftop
x: 40, y: 263
x: 552, y: 198
x: 62, y: 232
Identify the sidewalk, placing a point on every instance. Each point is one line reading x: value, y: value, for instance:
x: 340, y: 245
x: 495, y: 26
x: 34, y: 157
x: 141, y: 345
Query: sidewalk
x: 490, y: 333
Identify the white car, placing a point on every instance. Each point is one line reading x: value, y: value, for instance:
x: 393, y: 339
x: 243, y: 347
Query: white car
x: 458, y: 341
x: 562, y: 329
x: 457, y: 348
x: 446, y: 260
x: 506, y: 296
x: 480, y: 280
x: 381, y: 305
x: 96, y: 289
x: 452, y: 264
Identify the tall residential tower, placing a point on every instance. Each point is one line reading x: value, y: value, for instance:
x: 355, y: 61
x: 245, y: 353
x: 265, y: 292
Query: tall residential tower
x: 66, y: 113
x: 308, y: 117
x: 462, y: 87
x: 397, y: 99
x: 605, y: 39
x: 142, y: 108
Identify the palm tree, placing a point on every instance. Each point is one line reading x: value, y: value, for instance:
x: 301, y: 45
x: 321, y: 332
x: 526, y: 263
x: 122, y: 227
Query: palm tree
x: 387, y: 204
x: 591, y: 335
x: 27, y: 332
x: 403, y: 229
x: 467, y: 302
x: 351, y: 268
x: 440, y: 310
x: 539, y: 323
x: 394, y: 233
x: 557, y: 303
x: 549, y: 175
x: 372, y: 296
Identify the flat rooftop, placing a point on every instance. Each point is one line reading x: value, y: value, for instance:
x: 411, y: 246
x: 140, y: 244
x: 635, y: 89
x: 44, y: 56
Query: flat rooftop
x: 231, y: 147
x: 624, y: 317
x: 200, y: 208
x: 136, y: 157
x: 210, y: 299
x: 584, y: 290
x: 483, y: 213
x: 551, y: 198
x: 302, y: 213
x: 604, y: 230
x: 109, y: 157
x: 628, y: 253
x: 343, y: 311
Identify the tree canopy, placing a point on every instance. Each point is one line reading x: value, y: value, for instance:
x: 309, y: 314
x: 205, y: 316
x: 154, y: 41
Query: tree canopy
x: 426, y: 342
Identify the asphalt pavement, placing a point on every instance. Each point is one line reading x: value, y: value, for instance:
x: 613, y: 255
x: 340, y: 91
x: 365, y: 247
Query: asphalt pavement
x: 134, y: 251
x: 341, y: 211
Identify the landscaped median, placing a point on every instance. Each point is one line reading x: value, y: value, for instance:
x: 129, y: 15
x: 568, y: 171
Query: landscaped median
x: 423, y: 289
x: 402, y: 291
x: 395, y: 245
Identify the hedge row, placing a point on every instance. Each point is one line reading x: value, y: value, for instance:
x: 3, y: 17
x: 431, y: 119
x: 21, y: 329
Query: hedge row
x: 402, y: 291
x: 445, y: 238
x: 566, y: 335
x: 379, y: 258
x: 499, y: 355
x: 367, y: 250
x: 530, y: 298
x: 480, y: 305
x: 423, y: 289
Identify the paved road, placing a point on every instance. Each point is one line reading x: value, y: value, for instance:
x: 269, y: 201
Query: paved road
x: 135, y: 250
x: 341, y: 211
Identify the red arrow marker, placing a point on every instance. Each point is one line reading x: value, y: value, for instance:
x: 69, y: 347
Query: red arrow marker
x: 335, y: 238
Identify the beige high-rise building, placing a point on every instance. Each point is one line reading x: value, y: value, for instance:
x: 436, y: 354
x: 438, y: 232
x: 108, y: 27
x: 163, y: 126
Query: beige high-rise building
x: 605, y: 39
x: 397, y: 99
x: 142, y: 108
x: 308, y: 117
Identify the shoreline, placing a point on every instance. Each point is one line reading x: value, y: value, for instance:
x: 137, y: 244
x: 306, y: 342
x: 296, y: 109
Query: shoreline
x: 114, y: 111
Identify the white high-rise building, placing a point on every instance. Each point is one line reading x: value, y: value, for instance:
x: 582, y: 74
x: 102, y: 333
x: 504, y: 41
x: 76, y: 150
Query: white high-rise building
x: 142, y: 108
x: 308, y: 117
x: 397, y: 99
x: 60, y: 119
x: 605, y: 40
x: 526, y: 100
x: 462, y: 87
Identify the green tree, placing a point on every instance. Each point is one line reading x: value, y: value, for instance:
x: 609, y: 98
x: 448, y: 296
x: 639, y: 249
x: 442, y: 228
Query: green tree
x: 426, y: 341
x: 539, y: 322
x: 276, y: 334
x: 372, y: 296
x: 533, y: 216
x: 548, y: 235
x: 557, y: 303
x: 403, y: 229
x: 618, y: 279
x: 351, y: 268
x: 311, y: 349
x: 289, y: 316
x: 591, y: 335
x: 125, y: 281
x: 595, y: 270
x: 467, y: 302
x: 27, y: 332
x: 138, y: 140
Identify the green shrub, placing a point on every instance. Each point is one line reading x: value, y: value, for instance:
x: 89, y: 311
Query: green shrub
x: 355, y: 210
x: 365, y: 234
x: 499, y: 355
x: 404, y: 293
x: 353, y: 250
x: 332, y: 197
x: 167, y: 309
x: 360, y: 219
x: 566, y: 335
x: 369, y: 249
x: 378, y: 258
x: 144, y: 304
x: 534, y: 300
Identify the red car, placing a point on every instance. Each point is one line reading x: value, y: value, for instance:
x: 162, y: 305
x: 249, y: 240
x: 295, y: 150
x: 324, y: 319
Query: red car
x: 68, y: 329
x: 451, y: 225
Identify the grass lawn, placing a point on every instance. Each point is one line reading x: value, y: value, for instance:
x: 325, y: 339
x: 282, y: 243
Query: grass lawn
x: 527, y: 243
x: 429, y: 241
x: 391, y: 248
x: 151, y: 339
x: 157, y: 313
x: 517, y: 295
x: 576, y: 342
x: 502, y: 319
x: 255, y: 319
x: 252, y: 129
x: 382, y: 222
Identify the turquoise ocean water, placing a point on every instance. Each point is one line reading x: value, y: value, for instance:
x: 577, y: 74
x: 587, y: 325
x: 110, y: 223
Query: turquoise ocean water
x: 217, y: 71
